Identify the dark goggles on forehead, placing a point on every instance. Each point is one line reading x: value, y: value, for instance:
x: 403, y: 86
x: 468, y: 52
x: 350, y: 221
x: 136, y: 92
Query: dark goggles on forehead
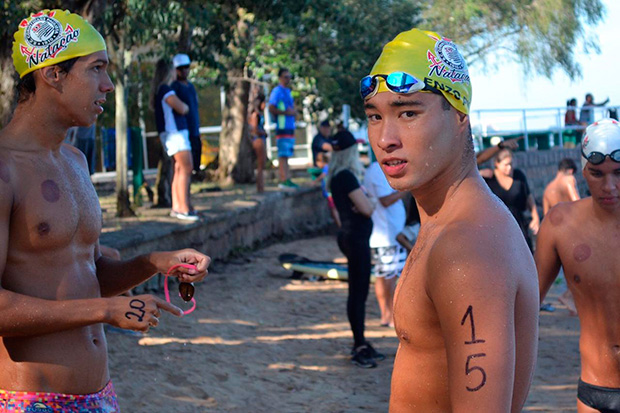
x: 397, y: 82
x: 597, y: 158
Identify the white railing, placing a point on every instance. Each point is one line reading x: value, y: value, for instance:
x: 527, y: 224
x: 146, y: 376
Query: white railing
x: 485, y: 123
x: 505, y: 122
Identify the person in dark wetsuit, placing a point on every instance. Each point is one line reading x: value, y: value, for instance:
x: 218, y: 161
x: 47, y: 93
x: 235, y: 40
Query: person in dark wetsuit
x: 510, y: 185
x: 355, y: 210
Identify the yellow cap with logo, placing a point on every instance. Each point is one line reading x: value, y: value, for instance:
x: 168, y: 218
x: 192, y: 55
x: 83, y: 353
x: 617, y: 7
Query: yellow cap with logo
x: 49, y: 37
x: 430, y: 58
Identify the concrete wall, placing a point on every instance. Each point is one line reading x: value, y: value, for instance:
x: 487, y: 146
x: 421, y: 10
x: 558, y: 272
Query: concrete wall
x: 246, y: 224
x: 239, y: 225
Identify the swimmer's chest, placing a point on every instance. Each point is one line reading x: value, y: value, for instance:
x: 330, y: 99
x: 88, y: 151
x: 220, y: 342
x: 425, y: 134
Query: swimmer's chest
x: 56, y: 206
x: 415, y: 317
x: 591, y: 259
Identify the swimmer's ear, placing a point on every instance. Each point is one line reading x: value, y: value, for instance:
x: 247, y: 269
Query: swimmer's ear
x: 462, y: 120
x: 52, y: 76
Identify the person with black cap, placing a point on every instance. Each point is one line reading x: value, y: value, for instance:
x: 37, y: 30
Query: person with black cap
x: 320, y: 143
x: 355, y: 210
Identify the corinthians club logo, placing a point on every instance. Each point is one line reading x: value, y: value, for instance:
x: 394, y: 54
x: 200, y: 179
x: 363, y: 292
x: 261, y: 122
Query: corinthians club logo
x: 46, y: 38
x: 447, y: 62
x: 450, y: 55
x: 42, y: 31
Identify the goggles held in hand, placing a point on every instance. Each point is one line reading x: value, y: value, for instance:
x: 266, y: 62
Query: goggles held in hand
x: 397, y: 82
x: 597, y: 158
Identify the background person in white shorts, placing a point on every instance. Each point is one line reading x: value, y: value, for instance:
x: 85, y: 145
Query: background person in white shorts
x: 388, y: 220
x: 174, y: 136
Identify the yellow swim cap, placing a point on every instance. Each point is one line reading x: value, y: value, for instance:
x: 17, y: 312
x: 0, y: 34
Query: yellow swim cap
x: 430, y: 58
x: 49, y: 37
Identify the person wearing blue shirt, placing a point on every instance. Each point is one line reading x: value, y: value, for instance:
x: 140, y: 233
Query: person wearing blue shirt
x: 187, y: 93
x: 174, y: 138
x: 282, y: 109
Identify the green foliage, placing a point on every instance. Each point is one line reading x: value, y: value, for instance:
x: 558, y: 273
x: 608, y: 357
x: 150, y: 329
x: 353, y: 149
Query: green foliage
x: 11, y: 13
x: 541, y: 34
x: 327, y: 44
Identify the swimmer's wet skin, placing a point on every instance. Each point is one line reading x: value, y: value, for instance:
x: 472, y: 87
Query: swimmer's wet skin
x: 583, y: 238
x: 51, y: 322
x: 466, y: 306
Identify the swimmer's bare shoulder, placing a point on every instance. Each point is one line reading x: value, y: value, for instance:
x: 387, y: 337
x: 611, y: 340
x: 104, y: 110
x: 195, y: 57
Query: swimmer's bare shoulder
x: 562, y: 223
x: 77, y: 157
x: 486, y: 298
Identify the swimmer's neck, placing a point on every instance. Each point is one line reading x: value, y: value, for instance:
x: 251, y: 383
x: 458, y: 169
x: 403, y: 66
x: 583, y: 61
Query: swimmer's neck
x: 438, y: 196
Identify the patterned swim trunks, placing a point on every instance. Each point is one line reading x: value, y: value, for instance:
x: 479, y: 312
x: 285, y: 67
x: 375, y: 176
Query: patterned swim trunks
x: 104, y: 401
x: 388, y: 261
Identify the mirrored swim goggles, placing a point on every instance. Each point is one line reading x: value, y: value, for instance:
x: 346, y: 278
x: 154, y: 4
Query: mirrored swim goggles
x: 397, y: 82
x: 597, y: 158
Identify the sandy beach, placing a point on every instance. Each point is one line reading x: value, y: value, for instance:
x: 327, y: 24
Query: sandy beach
x: 261, y: 342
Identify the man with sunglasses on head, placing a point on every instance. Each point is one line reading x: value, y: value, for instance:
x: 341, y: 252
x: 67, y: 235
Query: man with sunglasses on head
x: 466, y: 306
x: 57, y: 290
x: 583, y: 237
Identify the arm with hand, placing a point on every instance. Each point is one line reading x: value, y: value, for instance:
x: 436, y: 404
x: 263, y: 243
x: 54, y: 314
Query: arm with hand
x: 22, y: 315
x: 535, y: 222
x: 404, y: 242
x: 392, y: 198
x: 289, y: 111
x: 486, y: 173
x: 474, y: 296
x: 116, y: 277
x: 602, y: 103
x: 319, y: 179
x: 546, y: 256
x: 177, y: 104
x: 486, y: 154
x: 361, y: 202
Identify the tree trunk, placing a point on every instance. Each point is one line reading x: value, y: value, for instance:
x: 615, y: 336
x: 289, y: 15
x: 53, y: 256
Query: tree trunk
x: 7, y: 88
x: 123, y: 207
x: 235, y: 155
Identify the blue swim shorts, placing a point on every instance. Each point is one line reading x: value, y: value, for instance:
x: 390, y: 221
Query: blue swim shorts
x: 286, y: 147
